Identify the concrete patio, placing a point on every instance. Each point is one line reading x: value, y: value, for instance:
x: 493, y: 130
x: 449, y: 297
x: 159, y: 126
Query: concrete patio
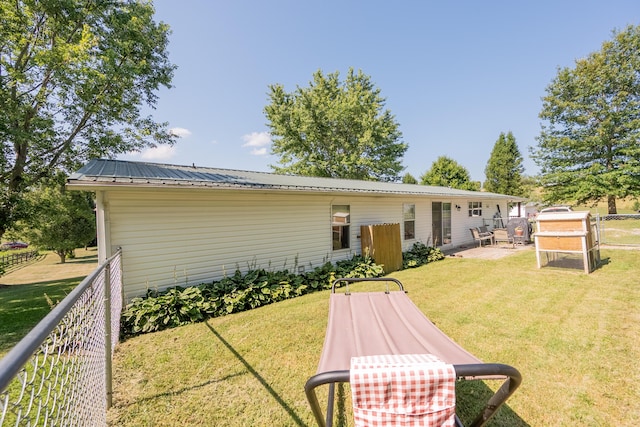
x: 487, y: 252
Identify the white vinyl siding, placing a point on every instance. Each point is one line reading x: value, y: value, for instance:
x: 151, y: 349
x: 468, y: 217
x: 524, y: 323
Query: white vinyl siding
x: 198, y: 239
x: 185, y: 237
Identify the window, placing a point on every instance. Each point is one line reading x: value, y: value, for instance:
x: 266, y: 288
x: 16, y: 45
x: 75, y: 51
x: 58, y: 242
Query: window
x: 340, y: 220
x: 475, y: 208
x: 409, y: 216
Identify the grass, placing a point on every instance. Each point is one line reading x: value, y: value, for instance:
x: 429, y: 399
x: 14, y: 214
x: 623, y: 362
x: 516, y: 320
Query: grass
x: 26, y: 293
x: 573, y: 337
x: 620, y: 232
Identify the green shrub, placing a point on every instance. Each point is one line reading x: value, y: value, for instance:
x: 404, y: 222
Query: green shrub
x: 420, y: 254
x: 179, y: 306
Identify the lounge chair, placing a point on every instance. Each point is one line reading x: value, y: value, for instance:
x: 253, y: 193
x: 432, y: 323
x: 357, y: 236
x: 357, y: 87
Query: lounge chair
x: 481, y: 237
x: 388, y: 323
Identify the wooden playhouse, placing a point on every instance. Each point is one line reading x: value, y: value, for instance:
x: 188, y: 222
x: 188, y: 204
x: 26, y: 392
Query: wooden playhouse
x: 568, y: 233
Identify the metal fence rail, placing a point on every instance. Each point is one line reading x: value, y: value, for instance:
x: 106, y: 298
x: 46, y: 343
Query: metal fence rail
x: 60, y: 373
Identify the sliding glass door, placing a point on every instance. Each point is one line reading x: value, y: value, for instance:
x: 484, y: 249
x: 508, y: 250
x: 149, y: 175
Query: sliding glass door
x: 441, y: 223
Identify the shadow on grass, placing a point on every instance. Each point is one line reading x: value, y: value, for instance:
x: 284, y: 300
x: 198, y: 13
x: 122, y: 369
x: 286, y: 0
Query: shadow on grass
x: 471, y: 397
x: 23, y: 306
x: 40, y: 283
x: 92, y: 259
x: 178, y: 392
x: 297, y: 420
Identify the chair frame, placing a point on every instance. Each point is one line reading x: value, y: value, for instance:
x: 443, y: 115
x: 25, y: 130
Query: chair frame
x: 481, y: 237
x: 502, y: 235
x: 467, y: 371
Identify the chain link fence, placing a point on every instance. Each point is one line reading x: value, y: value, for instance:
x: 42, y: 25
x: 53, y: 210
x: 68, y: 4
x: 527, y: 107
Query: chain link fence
x: 60, y: 373
x: 619, y: 229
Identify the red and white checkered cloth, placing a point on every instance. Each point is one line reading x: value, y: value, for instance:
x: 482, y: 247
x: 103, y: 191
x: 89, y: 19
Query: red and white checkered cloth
x: 402, y: 390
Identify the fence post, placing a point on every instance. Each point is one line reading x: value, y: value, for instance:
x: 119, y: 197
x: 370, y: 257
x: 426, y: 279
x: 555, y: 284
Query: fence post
x: 108, y: 368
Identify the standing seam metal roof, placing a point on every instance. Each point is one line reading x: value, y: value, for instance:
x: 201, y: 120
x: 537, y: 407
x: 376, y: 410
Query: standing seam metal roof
x: 103, y: 172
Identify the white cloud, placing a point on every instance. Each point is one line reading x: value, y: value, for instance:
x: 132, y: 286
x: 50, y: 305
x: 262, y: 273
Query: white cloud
x: 257, y: 139
x: 161, y: 152
x: 259, y: 151
x: 180, y: 132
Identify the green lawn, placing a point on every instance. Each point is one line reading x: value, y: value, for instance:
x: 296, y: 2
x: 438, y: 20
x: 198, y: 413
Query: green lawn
x: 620, y: 232
x: 27, y: 292
x: 573, y: 337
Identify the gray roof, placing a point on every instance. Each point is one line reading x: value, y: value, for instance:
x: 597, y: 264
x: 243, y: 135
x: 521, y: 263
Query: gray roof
x: 101, y: 173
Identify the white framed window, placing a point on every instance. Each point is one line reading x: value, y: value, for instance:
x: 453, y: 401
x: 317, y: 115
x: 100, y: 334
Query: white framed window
x: 475, y: 208
x: 409, y: 218
x: 340, y: 226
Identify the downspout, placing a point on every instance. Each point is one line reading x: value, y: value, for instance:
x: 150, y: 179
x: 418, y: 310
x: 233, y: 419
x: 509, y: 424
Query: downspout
x: 102, y: 227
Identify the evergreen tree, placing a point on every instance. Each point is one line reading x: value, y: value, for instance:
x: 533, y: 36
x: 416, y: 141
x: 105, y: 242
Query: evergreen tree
x: 589, y: 147
x: 504, y: 168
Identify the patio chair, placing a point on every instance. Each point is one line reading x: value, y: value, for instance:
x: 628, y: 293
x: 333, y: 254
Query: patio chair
x: 502, y: 235
x: 385, y: 326
x: 481, y: 237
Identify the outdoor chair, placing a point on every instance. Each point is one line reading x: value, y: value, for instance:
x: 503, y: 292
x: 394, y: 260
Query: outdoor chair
x: 384, y: 332
x: 481, y: 237
x: 502, y: 235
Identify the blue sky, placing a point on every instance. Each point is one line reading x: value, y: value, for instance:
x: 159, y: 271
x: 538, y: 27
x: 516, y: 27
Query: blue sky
x: 454, y: 74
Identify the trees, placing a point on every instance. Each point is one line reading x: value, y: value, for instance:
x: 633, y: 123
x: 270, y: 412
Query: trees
x: 446, y: 172
x: 335, y: 129
x: 504, y: 168
x: 73, y: 77
x: 407, y: 178
x: 59, y: 220
x: 588, y: 149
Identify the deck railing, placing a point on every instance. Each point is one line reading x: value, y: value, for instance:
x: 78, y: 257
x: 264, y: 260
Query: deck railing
x: 60, y: 373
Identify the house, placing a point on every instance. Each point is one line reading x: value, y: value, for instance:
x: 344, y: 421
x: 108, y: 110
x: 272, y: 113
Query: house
x: 520, y: 210
x: 184, y: 225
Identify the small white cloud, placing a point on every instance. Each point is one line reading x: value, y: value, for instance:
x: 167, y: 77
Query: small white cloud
x: 161, y: 152
x: 259, y: 151
x: 180, y: 132
x: 257, y: 139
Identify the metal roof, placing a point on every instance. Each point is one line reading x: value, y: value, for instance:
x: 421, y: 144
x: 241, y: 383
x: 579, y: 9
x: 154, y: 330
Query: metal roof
x: 100, y: 173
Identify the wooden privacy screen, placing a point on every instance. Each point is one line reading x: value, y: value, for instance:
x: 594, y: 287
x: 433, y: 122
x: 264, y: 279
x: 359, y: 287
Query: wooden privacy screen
x: 568, y: 232
x: 382, y: 243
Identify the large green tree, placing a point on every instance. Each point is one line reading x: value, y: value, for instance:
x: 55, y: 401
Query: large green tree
x: 446, y: 172
x: 74, y: 75
x: 504, y: 169
x: 58, y: 220
x: 589, y: 146
x: 335, y: 129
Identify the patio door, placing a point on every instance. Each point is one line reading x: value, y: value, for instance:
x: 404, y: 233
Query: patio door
x: 441, y: 223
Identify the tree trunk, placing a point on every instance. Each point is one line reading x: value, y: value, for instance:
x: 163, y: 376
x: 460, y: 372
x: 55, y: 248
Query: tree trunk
x: 63, y: 256
x: 611, y: 205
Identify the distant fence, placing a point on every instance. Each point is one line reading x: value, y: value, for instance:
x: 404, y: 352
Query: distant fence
x: 619, y: 229
x: 60, y: 373
x: 615, y: 229
x: 12, y: 259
